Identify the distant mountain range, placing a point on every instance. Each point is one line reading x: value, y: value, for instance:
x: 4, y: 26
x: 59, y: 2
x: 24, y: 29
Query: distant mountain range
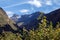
x: 30, y: 20
x: 27, y: 20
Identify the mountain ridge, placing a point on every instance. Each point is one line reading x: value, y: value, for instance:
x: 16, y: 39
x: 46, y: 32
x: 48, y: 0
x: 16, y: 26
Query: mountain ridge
x: 6, y: 24
x: 29, y: 21
x: 53, y: 16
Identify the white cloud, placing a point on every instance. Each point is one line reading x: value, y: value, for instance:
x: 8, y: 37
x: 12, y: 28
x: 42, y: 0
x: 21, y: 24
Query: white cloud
x: 9, y: 13
x: 24, y: 11
x: 36, y: 3
x: 48, y: 2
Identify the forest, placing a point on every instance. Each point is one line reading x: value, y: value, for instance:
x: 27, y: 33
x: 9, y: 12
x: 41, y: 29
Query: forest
x: 44, y: 31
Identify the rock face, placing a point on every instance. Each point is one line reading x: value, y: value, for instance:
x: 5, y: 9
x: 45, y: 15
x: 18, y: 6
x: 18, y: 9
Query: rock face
x: 5, y: 23
x: 15, y: 17
x: 3, y: 17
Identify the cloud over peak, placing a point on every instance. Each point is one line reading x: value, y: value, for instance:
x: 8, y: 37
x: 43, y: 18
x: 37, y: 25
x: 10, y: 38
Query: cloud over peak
x: 9, y: 13
x: 24, y: 11
x: 36, y: 3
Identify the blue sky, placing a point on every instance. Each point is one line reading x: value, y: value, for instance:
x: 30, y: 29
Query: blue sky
x: 22, y: 7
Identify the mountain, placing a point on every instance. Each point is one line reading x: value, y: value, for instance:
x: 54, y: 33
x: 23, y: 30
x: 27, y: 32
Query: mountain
x: 30, y: 20
x: 6, y: 24
x: 54, y: 16
x: 15, y: 17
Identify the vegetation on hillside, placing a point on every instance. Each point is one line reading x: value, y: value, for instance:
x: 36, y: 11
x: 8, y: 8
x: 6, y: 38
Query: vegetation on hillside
x: 45, y: 31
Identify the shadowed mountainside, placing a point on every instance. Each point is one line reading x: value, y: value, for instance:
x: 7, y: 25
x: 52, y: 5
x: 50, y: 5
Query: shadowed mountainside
x: 5, y: 23
x: 30, y: 20
x: 54, y: 16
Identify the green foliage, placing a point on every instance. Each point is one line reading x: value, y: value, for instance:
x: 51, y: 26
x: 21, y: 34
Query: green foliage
x: 10, y: 36
x: 43, y: 32
x: 41, y: 14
